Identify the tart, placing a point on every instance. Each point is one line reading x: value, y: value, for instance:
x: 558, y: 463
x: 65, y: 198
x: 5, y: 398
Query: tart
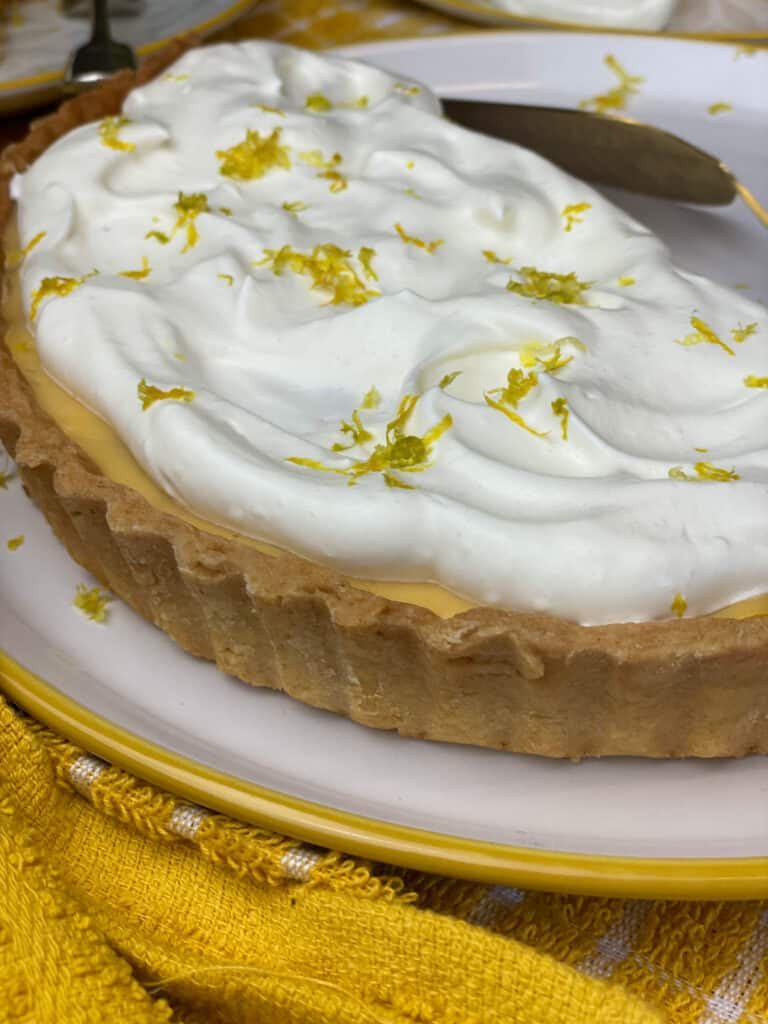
x: 453, y: 380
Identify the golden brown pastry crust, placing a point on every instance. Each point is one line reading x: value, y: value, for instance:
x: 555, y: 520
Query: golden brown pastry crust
x: 522, y: 682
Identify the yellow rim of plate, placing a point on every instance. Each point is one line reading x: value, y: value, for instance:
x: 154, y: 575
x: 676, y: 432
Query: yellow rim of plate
x: 209, y: 25
x: 600, y: 875
x: 502, y: 17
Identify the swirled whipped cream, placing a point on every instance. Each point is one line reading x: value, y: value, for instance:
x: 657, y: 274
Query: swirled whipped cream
x: 324, y: 316
x: 633, y: 14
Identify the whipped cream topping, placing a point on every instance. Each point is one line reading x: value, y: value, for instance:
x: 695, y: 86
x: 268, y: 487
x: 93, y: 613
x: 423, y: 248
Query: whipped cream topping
x: 322, y: 315
x: 638, y: 14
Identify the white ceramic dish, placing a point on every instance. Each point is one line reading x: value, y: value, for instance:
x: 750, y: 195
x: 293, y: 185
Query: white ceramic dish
x: 616, y: 826
x: 38, y: 40
x: 695, y: 19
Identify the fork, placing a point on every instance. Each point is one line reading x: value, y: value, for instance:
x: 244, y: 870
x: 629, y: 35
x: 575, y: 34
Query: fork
x: 101, y: 56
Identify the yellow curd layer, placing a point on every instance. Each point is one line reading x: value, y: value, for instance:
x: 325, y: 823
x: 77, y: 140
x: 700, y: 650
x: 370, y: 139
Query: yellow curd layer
x: 114, y: 459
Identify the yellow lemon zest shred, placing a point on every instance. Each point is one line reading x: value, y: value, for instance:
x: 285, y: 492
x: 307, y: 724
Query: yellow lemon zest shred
x: 561, y: 410
x: 616, y: 98
x: 719, y: 108
x: 625, y: 282
x: 355, y: 430
x: 226, y: 277
x: 225, y: 210
x: 365, y: 255
x: 295, y: 207
x: 448, y: 379
x: 406, y: 453
x: 92, y: 602
x: 491, y: 256
x: 270, y: 110
x: 566, y: 289
x: 701, y: 449
x: 548, y: 356
x: 328, y: 266
x: 412, y: 193
x: 704, y: 471
x: 407, y: 90
x: 175, y: 78
x: 703, y: 333
x: 571, y: 214
x: 149, y: 394
x: 138, y: 275
x: 361, y: 103
x: 318, y: 104
x: 18, y: 255
x: 740, y: 333
x: 679, y: 605
x: 517, y: 387
x: 371, y: 399
x: 751, y: 381
x: 254, y: 156
x: 328, y: 168
x: 56, y: 286
x: 418, y: 242
x: 109, y: 130
x: 15, y: 542
x: 159, y: 236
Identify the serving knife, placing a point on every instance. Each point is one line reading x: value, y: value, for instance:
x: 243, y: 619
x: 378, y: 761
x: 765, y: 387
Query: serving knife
x: 610, y: 150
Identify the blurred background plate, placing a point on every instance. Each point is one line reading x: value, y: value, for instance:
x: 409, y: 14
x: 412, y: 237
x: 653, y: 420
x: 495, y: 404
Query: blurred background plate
x: 37, y: 39
x: 735, y: 20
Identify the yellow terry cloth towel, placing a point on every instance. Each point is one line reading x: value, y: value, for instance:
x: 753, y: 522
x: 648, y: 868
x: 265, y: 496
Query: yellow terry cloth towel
x: 120, y: 903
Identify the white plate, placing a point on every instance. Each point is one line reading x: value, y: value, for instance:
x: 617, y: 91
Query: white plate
x: 130, y: 674
x: 38, y: 40
x: 696, y: 19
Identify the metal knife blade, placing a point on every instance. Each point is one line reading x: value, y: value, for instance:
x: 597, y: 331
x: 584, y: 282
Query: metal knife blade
x: 605, y: 149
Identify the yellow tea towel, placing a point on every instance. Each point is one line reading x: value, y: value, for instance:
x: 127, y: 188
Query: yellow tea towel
x: 121, y: 903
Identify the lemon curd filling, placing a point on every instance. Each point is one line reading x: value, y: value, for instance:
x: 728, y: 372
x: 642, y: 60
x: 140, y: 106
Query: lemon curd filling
x: 455, y: 394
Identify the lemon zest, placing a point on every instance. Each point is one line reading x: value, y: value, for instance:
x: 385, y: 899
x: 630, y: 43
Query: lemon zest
x: 328, y: 168
x: 371, y: 399
x: 616, y: 98
x: 92, y: 602
x: 704, y: 471
x: 448, y: 379
x: 170, y: 77
x: 254, y: 156
x: 60, y: 286
x: 225, y: 210
x: 679, y: 605
x: 356, y: 431
x: 17, y: 256
x: 412, y: 193
x: 719, y: 108
x: 410, y: 164
x: 561, y: 410
x: 407, y: 90
x: 270, y: 110
x: 405, y: 453
x: 149, y: 394
x: 625, y: 282
x: 752, y: 381
x: 294, y: 207
x: 159, y: 236
x: 548, y: 357
x: 703, y: 333
x: 329, y: 267
x: 701, y: 449
x: 15, y: 542
x: 365, y: 255
x: 318, y: 104
x: 361, y: 103
x: 109, y: 130
x: 571, y: 214
x: 491, y: 256
x: 518, y: 385
x: 226, y: 277
x: 418, y: 242
x: 566, y: 289
x: 740, y: 333
x: 138, y: 275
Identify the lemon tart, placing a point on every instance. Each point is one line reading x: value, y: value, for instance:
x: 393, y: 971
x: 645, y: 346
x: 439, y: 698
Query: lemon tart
x: 398, y: 419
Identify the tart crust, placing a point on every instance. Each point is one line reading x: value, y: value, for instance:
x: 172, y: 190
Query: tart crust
x: 523, y: 682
